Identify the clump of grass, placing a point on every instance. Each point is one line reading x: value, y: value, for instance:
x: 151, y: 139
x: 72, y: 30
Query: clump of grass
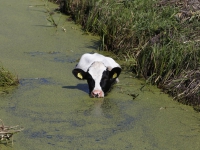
x: 160, y: 40
x: 7, y: 79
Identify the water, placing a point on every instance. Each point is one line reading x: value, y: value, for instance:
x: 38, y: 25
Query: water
x: 54, y: 107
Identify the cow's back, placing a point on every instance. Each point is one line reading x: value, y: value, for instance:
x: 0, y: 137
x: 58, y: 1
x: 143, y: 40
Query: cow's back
x: 87, y: 59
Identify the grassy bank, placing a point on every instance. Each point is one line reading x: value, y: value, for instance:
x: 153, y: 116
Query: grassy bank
x: 7, y: 79
x: 159, y: 40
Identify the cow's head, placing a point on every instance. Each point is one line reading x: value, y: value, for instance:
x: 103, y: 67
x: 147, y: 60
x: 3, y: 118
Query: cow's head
x: 99, y: 78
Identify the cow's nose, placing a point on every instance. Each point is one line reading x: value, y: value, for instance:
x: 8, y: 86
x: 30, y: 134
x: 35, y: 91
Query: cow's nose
x: 96, y: 93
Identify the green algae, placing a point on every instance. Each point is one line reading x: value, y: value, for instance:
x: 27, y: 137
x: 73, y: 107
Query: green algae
x: 55, y: 108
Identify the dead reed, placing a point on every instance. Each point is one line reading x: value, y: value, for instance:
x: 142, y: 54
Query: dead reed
x: 7, y: 132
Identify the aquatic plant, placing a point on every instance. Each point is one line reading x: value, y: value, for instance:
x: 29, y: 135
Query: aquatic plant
x: 160, y: 40
x: 7, y: 79
x: 51, y: 19
x: 49, y: 13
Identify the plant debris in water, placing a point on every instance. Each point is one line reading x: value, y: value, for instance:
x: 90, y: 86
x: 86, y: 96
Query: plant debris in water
x: 160, y: 40
x: 7, y: 132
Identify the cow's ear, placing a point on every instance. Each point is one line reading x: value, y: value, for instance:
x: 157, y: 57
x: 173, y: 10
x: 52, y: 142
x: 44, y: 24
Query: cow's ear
x: 115, y: 72
x: 79, y: 74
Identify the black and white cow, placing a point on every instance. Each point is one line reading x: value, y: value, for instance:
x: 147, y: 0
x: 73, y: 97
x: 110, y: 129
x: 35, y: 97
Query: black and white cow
x: 99, y: 71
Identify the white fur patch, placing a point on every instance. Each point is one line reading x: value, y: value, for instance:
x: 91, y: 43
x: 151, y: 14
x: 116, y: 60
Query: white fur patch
x: 87, y: 60
x: 96, y: 71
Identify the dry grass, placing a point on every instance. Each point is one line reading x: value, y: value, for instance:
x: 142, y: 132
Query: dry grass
x: 7, y: 132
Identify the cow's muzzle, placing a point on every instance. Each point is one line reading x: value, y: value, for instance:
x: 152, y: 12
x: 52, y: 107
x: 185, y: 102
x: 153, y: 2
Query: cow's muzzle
x: 97, y: 93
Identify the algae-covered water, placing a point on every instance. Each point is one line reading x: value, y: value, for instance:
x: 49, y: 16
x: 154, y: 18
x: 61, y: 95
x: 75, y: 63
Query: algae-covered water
x: 54, y: 107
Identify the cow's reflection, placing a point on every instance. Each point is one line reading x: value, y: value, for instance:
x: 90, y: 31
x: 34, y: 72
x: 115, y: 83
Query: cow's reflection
x: 105, y: 108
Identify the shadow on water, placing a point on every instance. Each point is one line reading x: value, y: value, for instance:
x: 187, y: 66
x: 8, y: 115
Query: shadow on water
x: 96, y: 45
x: 55, y: 56
x: 81, y: 87
x: 31, y: 82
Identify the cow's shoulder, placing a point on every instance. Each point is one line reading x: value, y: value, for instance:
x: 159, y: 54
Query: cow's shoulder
x: 87, y: 59
x: 108, y: 61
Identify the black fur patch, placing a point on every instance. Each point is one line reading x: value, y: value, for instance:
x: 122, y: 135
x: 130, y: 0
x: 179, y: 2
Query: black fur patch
x: 91, y: 82
x: 106, y: 82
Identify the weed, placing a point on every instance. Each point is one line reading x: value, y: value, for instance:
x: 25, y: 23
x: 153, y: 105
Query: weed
x: 7, y: 79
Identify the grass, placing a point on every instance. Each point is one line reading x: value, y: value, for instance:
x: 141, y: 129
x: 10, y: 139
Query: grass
x: 7, y: 79
x: 159, y: 40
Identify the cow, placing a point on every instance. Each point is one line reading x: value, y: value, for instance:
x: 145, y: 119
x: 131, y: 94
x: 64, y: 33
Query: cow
x: 100, y: 72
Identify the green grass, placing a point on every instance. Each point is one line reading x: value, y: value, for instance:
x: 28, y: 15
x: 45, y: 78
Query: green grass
x: 159, y: 40
x: 7, y: 79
